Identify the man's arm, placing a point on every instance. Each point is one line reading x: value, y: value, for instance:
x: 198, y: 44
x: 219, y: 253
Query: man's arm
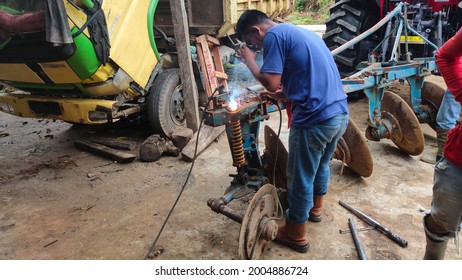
x: 449, y: 61
x: 270, y: 81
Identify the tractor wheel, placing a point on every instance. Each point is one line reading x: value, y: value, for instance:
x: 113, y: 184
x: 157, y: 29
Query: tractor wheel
x: 166, y: 110
x: 348, y: 19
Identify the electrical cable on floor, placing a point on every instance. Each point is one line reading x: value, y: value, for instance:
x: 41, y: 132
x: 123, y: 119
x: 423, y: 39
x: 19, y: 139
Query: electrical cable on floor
x: 151, y: 249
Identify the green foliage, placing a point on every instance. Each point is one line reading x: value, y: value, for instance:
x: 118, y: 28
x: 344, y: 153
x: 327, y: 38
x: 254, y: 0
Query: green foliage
x: 311, y: 11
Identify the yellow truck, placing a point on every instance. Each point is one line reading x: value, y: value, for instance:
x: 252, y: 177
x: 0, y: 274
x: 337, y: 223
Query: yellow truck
x: 94, y: 62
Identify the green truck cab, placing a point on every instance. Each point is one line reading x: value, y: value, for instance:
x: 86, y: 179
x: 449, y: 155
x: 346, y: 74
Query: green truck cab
x: 94, y: 62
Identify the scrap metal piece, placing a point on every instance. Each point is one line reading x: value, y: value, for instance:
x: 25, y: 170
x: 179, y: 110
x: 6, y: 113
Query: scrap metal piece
x: 275, y: 152
x: 353, y: 150
x: 393, y: 236
x: 402, y: 124
x: 258, y: 227
x: 432, y: 96
x: 358, y: 245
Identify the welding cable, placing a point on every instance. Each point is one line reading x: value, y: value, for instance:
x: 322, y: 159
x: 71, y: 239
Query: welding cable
x: 151, y: 249
x: 277, y: 143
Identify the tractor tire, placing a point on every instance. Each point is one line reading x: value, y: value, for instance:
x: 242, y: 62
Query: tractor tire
x: 348, y: 19
x: 166, y: 111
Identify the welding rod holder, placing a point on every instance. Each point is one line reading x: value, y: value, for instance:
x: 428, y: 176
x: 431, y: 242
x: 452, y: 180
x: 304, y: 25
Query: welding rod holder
x: 354, y: 234
x: 393, y: 236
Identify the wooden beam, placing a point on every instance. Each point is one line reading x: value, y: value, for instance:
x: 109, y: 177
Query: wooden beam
x: 104, y: 151
x: 207, y: 135
x: 114, y: 143
x: 181, y: 31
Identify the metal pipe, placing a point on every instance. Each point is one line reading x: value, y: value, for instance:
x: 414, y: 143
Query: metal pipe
x: 368, y: 32
x: 439, y: 29
x: 406, y: 43
x: 397, y: 41
x: 372, y: 222
x: 425, y: 39
x: 230, y: 213
x: 354, y: 234
x: 131, y: 110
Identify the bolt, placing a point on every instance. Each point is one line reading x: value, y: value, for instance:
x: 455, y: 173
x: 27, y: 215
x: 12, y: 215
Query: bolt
x: 270, y: 231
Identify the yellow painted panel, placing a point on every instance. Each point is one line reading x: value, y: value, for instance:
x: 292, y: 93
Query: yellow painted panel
x: 272, y: 8
x: 60, y: 72
x: 72, y: 109
x: 234, y: 8
x: 412, y: 39
x: 18, y: 73
x: 103, y: 74
x: 76, y: 17
x: 128, y: 34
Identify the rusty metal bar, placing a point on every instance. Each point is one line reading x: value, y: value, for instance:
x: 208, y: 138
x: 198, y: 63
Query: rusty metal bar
x: 358, y: 245
x: 393, y: 236
x: 130, y: 111
x: 230, y: 213
x: 220, y: 207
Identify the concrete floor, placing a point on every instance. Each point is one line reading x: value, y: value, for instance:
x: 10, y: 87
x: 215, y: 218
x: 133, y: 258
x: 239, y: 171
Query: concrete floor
x: 58, y: 202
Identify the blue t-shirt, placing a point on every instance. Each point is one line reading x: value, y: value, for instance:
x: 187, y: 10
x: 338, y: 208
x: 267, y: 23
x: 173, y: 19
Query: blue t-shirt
x: 310, y: 78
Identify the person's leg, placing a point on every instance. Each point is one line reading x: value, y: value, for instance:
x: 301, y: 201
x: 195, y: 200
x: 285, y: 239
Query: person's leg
x: 303, y: 161
x: 448, y: 113
x: 444, y: 219
x: 321, y: 181
x: 300, y: 177
x: 307, y: 147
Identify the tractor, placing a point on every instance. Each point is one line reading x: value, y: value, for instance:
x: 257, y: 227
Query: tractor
x: 434, y: 20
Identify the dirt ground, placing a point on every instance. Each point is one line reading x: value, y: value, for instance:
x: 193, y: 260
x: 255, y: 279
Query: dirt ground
x: 58, y: 202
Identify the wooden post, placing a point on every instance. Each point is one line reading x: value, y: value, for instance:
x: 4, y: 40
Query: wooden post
x: 181, y: 31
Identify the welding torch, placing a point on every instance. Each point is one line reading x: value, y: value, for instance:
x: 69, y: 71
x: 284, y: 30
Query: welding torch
x: 259, y: 91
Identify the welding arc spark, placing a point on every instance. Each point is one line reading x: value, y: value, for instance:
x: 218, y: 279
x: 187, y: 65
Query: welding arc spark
x: 232, y: 105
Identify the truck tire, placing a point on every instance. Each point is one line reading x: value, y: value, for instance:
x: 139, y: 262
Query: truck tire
x: 348, y: 19
x: 165, y: 103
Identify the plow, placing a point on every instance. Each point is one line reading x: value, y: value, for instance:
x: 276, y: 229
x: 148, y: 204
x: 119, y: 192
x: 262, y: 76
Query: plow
x: 261, y: 179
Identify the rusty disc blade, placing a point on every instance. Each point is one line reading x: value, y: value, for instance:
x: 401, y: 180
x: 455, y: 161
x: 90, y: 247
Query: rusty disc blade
x: 353, y: 150
x: 405, y: 132
x: 432, y: 95
x: 275, y: 148
x: 263, y: 205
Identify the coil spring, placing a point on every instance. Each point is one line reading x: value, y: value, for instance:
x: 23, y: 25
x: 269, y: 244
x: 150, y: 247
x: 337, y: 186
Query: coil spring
x: 237, y: 147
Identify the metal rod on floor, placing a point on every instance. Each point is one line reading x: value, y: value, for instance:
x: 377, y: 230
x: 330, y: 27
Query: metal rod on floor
x: 354, y: 233
x: 393, y: 236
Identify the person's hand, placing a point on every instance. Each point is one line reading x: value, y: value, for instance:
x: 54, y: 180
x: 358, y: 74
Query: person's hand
x: 273, y: 97
x: 246, y: 55
x: 278, y: 94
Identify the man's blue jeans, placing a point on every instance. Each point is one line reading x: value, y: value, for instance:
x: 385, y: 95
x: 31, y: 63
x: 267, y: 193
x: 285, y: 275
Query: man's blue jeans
x: 447, y: 196
x: 308, y: 171
x: 449, y: 111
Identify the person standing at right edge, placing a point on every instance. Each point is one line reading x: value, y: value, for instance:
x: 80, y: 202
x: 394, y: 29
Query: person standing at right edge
x: 446, y: 119
x: 443, y: 221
